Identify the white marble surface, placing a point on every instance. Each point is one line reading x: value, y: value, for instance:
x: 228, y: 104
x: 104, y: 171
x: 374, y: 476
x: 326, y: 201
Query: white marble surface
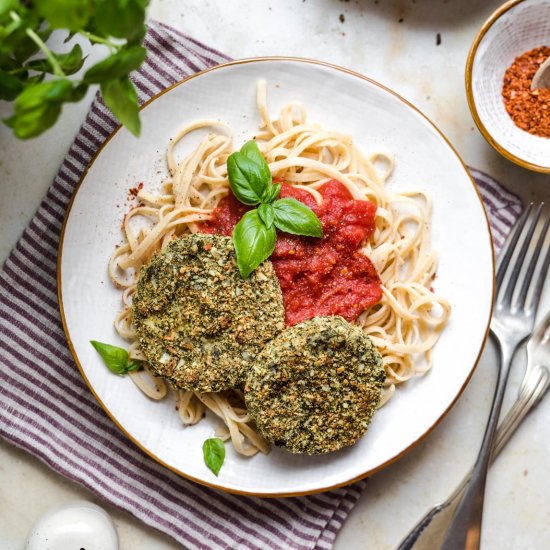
x: 404, y: 56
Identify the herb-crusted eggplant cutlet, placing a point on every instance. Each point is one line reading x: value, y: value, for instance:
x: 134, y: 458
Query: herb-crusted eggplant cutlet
x: 199, y: 323
x: 315, y: 388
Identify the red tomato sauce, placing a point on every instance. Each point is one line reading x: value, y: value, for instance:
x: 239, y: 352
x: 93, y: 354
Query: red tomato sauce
x: 319, y: 277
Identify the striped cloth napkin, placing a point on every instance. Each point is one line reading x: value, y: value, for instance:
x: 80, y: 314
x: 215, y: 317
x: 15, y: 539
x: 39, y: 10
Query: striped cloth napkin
x: 46, y: 408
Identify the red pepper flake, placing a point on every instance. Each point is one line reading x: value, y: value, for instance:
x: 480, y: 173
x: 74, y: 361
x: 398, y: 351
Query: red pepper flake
x: 208, y: 246
x: 529, y: 109
x: 133, y: 192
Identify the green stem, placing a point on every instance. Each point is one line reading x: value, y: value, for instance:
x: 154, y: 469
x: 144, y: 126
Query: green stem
x: 12, y: 26
x: 57, y: 70
x: 99, y: 40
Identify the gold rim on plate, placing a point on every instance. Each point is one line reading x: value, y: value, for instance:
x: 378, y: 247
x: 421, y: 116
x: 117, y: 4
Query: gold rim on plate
x: 106, y: 409
x: 470, y: 96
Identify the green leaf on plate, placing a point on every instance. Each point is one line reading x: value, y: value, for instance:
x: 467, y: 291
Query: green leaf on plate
x: 213, y: 451
x: 273, y: 193
x: 292, y: 216
x: 251, y: 150
x: 246, y: 178
x: 254, y: 242
x: 115, y: 358
x: 132, y: 366
x: 267, y: 214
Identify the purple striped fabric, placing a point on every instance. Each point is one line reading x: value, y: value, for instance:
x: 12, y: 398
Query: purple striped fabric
x: 46, y: 408
x: 503, y: 207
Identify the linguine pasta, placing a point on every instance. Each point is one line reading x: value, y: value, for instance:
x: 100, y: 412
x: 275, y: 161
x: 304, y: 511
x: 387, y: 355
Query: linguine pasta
x: 404, y: 325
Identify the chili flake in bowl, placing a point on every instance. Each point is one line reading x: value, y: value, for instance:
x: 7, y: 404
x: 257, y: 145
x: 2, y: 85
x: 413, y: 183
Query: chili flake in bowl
x: 529, y: 109
x: 502, y: 62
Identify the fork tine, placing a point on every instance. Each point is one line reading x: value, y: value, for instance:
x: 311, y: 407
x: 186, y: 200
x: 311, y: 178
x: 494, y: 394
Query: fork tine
x: 510, y: 244
x: 537, y: 292
x: 522, y: 296
x: 506, y: 298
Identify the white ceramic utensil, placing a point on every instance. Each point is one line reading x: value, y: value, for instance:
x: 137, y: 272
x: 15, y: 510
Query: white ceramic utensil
x: 77, y: 525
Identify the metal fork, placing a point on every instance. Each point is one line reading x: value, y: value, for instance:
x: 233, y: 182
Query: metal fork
x: 517, y: 298
x: 428, y: 533
x: 536, y: 379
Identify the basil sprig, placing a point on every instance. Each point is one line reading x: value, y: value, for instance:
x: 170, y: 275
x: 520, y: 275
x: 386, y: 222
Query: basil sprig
x: 115, y: 358
x: 255, y: 235
x: 36, y: 78
x: 213, y: 451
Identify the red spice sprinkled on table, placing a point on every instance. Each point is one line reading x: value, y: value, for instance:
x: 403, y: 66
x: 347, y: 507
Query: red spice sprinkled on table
x: 529, y: 109
x: 133, y: 192
x: 319, y: 277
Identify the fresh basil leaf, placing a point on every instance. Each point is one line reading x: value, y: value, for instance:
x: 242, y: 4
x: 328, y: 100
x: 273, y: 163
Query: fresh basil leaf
x: 253, y: 242
x: 115, y: 358
x: 246, y: 179
x: 40, y: 65
x: 69, y: 37
x: 274, y: 191
x: 30, y: 122
x: 136, y: 39
x: 267, y: 214
x: 251, y: 151
x: 116, y: 66
x: 70, y: 63
x: 132, y: 366
x: 65, y: 14
x: 213, y: 451
x: 8, y: 5
x: 294, y: 217
x: 53, y: 91
x: 24, y: 46
x: 33, y: 80
x: 9, y: 64
x: 10, y: 86
x: 38, y: 106
x: 121, y: 97
x: 119, y: 18
x: 78, y: 92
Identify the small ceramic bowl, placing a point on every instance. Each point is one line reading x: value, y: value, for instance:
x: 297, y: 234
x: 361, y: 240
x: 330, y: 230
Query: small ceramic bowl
x: 516, y: 27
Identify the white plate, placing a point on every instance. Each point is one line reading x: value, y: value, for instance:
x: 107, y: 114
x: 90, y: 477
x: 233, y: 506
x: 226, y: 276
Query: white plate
x: 339, y: 100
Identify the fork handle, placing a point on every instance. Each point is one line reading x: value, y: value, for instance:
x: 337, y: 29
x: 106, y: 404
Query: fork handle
x: 421, y: 535
x: 465, y: 529
x: 526, y: 400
